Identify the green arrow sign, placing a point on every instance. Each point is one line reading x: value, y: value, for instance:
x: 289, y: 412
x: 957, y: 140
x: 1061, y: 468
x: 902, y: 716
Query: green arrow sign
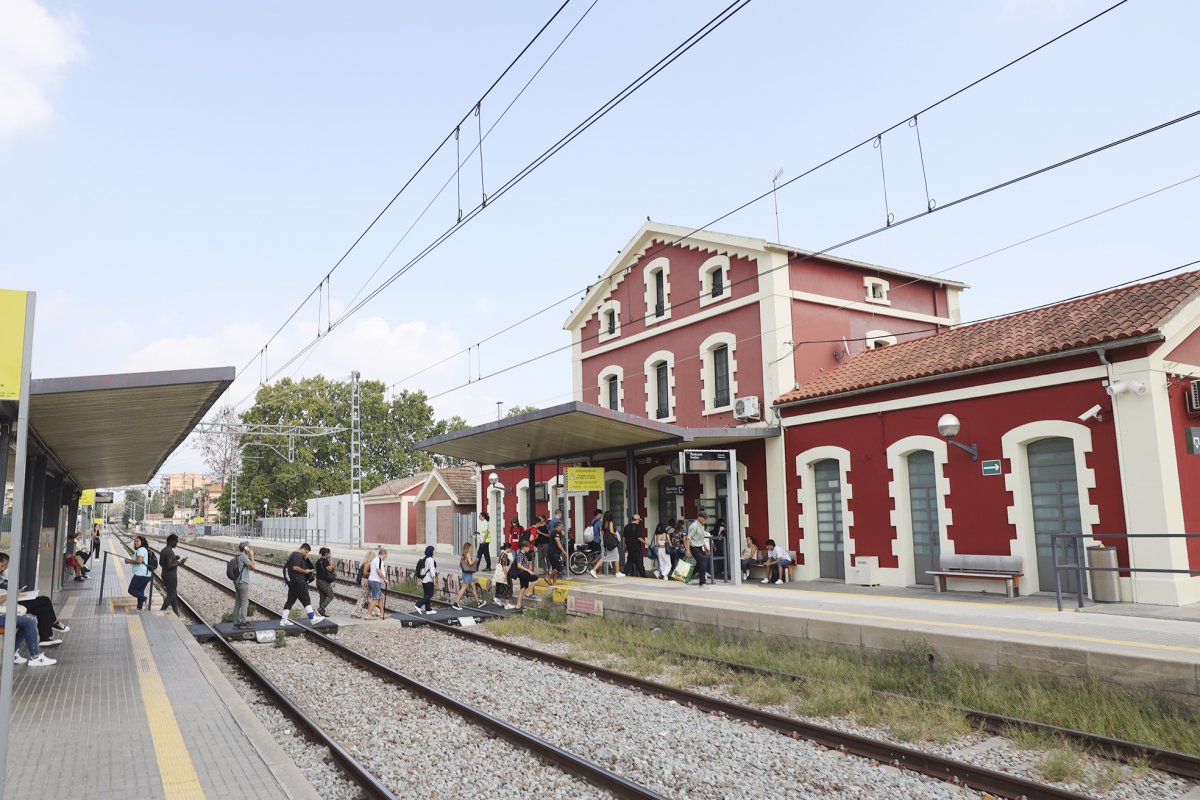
x: 991, y: 467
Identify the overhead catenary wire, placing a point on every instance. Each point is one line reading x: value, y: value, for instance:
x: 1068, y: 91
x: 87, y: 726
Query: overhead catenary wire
x: 554, y: 148
x: 898, y: 223
x: 450, y: 134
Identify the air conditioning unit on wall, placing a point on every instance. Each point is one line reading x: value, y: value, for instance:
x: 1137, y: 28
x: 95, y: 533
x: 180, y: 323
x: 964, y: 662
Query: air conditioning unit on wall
x: 1193, y: 398
x: 747, y: 408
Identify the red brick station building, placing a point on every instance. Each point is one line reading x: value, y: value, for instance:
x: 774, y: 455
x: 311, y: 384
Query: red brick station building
x: 828, y: 377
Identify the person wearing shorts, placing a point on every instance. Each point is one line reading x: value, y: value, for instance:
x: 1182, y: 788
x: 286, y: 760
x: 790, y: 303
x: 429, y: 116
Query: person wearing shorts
x: 524, y: 571
x: 556, y: 552
x: 467, y: 565
x: 376, y: 580
x: 501, y: 579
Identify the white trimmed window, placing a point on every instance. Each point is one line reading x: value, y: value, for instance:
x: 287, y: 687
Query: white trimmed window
x: 718, y: 372
x: 612, y: 388
x: 877, y: 291
x: 658, y: 290
x: 714, y: 280
x: 610, y: 319
x: 879, y: 339
x: 660, y: 386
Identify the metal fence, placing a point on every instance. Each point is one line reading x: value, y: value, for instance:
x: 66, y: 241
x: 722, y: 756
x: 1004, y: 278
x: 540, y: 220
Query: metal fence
x: 1081, y: 569
x: 296, y: 531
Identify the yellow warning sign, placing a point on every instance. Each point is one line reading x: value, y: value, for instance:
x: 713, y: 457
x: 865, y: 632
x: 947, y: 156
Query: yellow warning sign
x: 559, y: 595
x: 585, y: 479
x: 12, y: 342
x: 88, y: 498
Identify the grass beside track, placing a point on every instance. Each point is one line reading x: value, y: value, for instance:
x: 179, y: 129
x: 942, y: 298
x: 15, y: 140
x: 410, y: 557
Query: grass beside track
x: 845, y: 683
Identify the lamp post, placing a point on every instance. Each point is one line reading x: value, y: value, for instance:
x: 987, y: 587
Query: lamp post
x: 497, y: 517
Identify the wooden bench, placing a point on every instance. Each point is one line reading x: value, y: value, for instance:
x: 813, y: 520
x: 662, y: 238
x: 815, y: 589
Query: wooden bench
x: 983, y: 568
x: 758, y: 571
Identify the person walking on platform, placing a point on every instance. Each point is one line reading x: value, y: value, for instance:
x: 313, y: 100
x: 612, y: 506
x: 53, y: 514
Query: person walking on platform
x: 241, y: 584
x: 426, y: 574
x: 467, y: 565
x: 662, y: 548
x: 376, y: 581
x: 696, y: 536
x: 27, y: 633
x: 141, y: 570
x: 96, y: 541
x: 364, y: 597
x: 298, y: 571
x: 325, y: 580
x: 485, y: 540
x: 523, y: 567
x: 557, y: 552
x: 170, y: 563
x: 610, y: 545
x: 635, y: 541
x: 40, y: 608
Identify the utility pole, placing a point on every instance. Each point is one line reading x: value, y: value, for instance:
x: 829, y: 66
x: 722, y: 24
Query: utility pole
x: 355, y: 463
x: 775, y: 197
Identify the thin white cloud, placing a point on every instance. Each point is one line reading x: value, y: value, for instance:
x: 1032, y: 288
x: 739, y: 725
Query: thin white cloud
x: 35, y: 48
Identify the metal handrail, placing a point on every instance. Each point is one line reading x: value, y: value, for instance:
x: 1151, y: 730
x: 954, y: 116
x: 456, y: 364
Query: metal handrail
x: 1082, y: 569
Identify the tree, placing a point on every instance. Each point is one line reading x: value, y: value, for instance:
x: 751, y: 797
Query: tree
x: 221, y: 449
x: 390, y: 431
x: 517, y: 411
x: 168, y: 508
x: 156, y: 503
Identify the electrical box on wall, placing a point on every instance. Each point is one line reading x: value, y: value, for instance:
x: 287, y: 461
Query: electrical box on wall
x: 1193, y: 440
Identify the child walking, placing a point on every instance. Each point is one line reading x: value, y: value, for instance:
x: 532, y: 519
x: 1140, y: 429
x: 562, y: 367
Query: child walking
x: 500, y: 577
x: 468, y: 565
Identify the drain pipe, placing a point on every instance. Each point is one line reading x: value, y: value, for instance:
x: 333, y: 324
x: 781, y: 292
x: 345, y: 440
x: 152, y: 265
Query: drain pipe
x: 1108, y: 368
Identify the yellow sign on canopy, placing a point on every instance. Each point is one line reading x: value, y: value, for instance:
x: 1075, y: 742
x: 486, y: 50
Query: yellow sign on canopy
x: 12, y: 342
x: 585, y: 479
x: 88, y: 498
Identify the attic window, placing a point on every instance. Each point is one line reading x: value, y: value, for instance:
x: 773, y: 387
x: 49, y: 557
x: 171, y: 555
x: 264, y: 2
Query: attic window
x: 877, y: 291
x: 610, y: 320
x: 877, y: 340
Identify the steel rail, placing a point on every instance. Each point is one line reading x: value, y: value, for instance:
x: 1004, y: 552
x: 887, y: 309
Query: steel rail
x: 357, y: 772
x: 1170, y: 761
x: 552, y: 754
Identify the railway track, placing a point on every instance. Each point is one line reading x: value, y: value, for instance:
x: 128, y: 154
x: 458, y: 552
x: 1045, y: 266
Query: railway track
x: 932, y: 765
x: 557, y: 758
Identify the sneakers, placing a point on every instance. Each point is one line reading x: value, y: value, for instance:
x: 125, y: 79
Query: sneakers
x: 79, y: 579
x: 620, y: 575
x: 456, y: 606
x: 481, y: 604
x: 592, y: 572
x: 417, y: 610
x: 285, y: 621
x: 765, y: 580
x: 40, y: 660
x: 431, y: 612
x: 316, y: 619
x: 778, y: 580
x: 657, y: 574
x: 50, y: 643
x: 19, y: 659
x: 745, y: 576
x: 509, y: 606
x: 58, y: 626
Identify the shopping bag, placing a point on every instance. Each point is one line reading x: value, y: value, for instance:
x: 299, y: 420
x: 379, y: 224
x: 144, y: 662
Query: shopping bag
x: 683, y: 571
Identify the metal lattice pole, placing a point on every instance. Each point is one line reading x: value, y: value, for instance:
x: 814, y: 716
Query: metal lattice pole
x: 233, y: 506
x: 355, y: 463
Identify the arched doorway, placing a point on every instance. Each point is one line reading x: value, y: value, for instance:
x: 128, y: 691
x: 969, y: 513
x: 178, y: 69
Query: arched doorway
x: 667, y: 505
x: 830, y: 533
x: 1054, y: 494
x: 923, y: 508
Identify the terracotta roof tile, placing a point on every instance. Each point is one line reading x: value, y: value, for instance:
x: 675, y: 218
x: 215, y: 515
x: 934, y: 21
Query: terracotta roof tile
x: 394, y: 487
x: 1094, y: 319
x: 461, y: 481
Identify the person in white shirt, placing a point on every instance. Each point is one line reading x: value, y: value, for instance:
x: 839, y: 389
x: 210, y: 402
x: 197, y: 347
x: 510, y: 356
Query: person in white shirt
x: 426, y: 574
x: 777, y: 561
x: 377, y: 579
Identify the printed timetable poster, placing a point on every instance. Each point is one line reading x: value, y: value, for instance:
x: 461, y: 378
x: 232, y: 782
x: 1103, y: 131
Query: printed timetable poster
x: 12, y: 342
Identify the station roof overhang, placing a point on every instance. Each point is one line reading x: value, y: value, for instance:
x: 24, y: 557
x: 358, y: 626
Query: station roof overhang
x: 577, y: 431
x: 117, y: 430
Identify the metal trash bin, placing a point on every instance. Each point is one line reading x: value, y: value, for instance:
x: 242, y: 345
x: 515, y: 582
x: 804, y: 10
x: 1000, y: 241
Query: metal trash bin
x: 1105, y: 586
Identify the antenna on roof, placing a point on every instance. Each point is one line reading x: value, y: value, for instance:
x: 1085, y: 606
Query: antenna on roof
x: 774, y: 190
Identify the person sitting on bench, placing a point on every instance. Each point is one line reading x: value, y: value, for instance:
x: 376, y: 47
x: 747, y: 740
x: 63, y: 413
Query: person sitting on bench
x: 27, y: 633
x: 753, y: 557
x: 777, y: 561
x: 40, y: 607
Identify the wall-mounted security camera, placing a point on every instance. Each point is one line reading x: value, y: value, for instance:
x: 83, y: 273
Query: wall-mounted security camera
x: 1092, y: 413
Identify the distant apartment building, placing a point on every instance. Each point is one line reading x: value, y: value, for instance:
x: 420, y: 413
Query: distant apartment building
x: 184, y: 481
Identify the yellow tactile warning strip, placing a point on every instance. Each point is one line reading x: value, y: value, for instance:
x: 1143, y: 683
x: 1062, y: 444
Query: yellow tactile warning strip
x: 1074, y: 637
x: 175, y: 768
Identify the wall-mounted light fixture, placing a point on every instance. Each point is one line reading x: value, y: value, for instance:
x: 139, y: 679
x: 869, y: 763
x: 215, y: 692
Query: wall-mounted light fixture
x: 949, y: 426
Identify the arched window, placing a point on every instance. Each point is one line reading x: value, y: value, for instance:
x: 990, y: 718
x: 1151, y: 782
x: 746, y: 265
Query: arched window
x: 660, y: 386
x: 879, y: 339
x: 658, y: 290
x: 612, y: 390
x: 714, y: 280
x: 609, y: 314
x: 718, y: 371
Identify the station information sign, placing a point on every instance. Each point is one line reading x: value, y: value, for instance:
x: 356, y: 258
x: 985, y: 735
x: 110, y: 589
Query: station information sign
x: 103, y: 497
x: 703, y: 461
x: 585, y: 479
x: 12, y: 343
x: 88, y: 497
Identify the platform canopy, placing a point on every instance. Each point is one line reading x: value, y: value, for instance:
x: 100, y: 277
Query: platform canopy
x: 574, y: 431
x: 116, y: 430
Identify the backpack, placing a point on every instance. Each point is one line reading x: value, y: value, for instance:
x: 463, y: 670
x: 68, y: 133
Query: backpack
x: 151, y: 559
x: 233, y: 570
x: 358, y: 576
x: 421, y: 569
x: 610, y: 540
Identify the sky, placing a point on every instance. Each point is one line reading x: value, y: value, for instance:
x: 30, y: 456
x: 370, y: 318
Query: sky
x: 176, y: 178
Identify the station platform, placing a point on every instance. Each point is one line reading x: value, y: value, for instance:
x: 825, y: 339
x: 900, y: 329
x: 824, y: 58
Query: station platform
x: 135, y: 708
x: 1029, y: 633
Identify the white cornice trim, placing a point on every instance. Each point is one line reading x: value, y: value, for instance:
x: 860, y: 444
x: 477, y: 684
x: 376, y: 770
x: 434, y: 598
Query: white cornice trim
x: 674, y: 324
x: 951, y: 395
x: 870, y: 308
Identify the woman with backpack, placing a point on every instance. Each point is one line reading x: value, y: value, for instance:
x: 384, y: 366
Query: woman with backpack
x: 426, y: 573
x: 662, y: 544
x: 360, y: 578
x: 141, y: 570
x: 467, y: 565
x: 501, y: 579
x: 610, y: 551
